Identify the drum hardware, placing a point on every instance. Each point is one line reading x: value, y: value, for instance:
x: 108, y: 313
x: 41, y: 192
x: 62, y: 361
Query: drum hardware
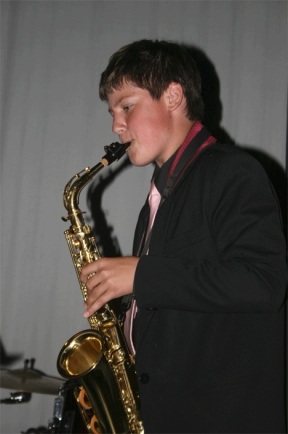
x: 29, y: 380
x: 39, y: 430
x: 66, y: 415
x: 17, y: 398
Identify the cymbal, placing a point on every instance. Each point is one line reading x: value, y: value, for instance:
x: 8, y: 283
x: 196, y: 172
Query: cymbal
x: 30, y: 380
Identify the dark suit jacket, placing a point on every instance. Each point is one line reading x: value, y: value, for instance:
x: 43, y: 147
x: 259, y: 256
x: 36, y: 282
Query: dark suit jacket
x: 209, y: 331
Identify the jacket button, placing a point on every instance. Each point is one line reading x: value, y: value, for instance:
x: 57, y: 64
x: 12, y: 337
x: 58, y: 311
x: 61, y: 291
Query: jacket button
x: 144, y: 378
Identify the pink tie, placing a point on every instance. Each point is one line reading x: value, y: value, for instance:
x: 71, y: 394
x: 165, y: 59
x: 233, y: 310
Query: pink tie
x: 154, y: 201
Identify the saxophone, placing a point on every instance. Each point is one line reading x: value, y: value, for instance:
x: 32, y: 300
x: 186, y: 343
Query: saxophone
x: 107, y: 389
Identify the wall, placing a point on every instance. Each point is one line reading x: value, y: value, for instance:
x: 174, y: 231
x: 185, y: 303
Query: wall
x: 53, y: 125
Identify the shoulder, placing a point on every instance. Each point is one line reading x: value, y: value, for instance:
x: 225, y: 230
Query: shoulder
x: 222, y: 159
x: 225, y: 152
x: 223, y: 169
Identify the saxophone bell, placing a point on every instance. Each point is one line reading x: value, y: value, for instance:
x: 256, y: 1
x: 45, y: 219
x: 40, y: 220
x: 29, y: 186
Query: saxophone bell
x: 82, y: 358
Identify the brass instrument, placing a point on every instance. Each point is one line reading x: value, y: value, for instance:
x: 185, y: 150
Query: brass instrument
x: 98, y: 357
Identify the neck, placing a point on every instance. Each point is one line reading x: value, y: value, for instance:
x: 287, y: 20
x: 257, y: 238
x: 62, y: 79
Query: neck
x: 178, y: 133
x: 183, y: 131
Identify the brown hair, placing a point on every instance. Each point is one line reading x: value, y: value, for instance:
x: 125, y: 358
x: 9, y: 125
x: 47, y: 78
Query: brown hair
x: 153, y: 65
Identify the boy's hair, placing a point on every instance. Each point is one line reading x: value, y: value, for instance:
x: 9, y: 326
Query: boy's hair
x: 153, y: 65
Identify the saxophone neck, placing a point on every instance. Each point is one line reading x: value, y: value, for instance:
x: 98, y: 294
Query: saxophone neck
x: 76, y: 184
x: 74, y: 187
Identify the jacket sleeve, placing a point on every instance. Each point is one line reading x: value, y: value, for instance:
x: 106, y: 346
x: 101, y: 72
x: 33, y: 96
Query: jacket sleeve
x: 243, y: 267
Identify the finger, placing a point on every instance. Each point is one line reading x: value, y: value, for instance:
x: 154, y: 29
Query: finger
x: 95, y: 291
x: 96, y: 305
x: 88, y: 270
x: 93, y: 280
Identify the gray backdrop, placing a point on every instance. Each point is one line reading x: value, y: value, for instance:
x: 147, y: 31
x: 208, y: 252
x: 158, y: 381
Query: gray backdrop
x: 53, y: 125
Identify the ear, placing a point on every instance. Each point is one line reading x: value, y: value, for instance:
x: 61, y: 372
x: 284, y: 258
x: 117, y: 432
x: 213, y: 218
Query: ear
x: 174, y: 96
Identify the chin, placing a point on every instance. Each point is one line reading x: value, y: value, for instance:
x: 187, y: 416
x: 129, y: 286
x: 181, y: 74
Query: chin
x: 136, y: 158
x: 137, y: 163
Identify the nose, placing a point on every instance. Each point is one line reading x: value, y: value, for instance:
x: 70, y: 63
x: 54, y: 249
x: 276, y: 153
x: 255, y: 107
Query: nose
x: 119, y: 124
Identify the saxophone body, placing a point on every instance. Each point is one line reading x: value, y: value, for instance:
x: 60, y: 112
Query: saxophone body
x: 107, y: 390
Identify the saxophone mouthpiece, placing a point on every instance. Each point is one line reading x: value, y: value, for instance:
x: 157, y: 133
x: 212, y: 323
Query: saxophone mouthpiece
x: 115, y: 151
x: 126, y: 145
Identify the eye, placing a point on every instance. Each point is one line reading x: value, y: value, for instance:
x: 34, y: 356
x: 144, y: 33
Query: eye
x: 126, y: 108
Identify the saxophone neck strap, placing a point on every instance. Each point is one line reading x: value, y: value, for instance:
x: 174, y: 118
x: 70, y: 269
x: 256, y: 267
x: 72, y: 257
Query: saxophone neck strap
x: 185, y: 156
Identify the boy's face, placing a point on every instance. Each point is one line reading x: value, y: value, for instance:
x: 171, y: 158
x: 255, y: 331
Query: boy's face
x: 146, y: 122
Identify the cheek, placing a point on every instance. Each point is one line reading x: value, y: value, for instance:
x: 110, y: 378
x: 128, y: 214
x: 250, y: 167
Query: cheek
x: 150, y: 128
x: 152, y: 123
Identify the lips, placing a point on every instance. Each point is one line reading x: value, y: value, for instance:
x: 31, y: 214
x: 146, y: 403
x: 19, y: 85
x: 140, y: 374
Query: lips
x: 122, y: 140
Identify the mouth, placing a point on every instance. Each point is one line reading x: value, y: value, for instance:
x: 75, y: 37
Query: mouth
x: 126, y: 145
